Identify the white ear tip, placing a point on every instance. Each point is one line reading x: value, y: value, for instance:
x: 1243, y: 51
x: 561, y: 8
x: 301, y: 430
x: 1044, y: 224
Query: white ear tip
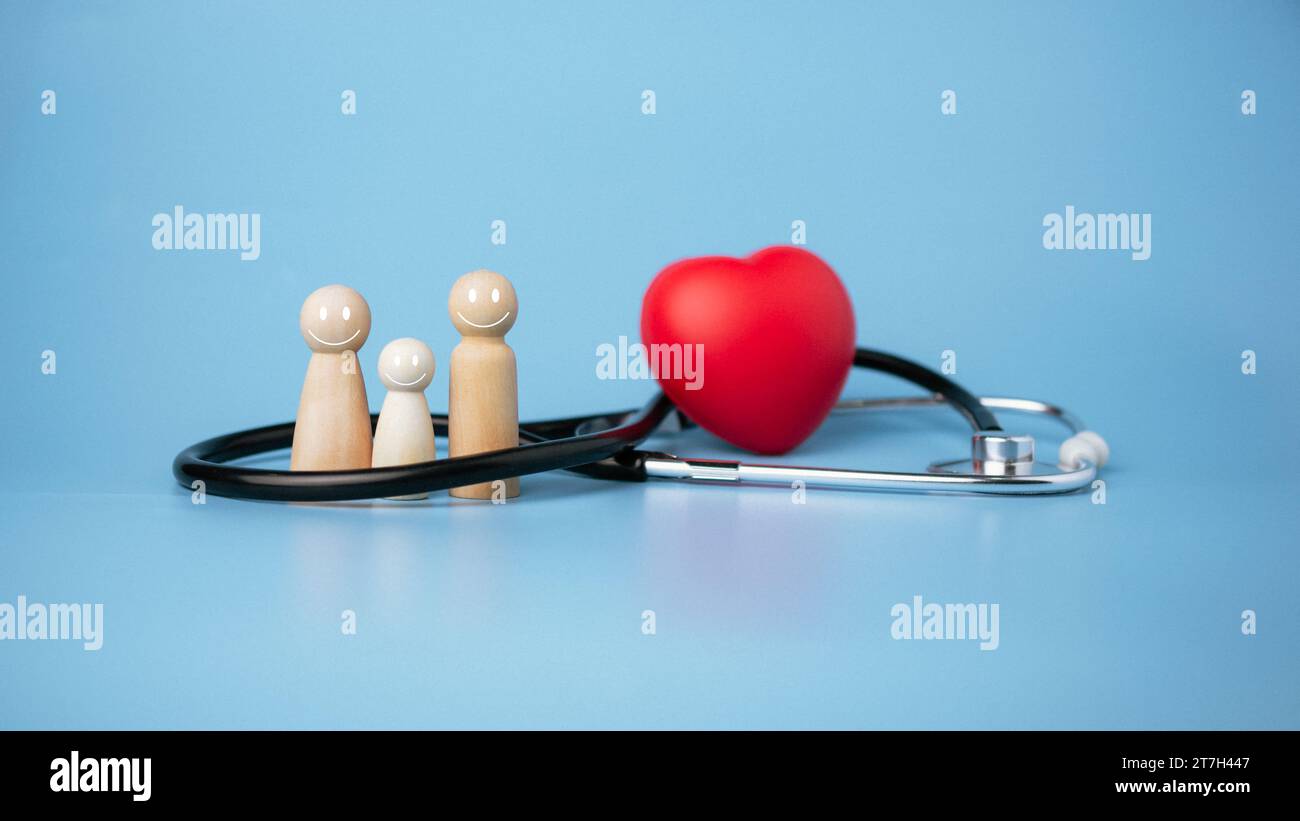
x: 1084, y: 445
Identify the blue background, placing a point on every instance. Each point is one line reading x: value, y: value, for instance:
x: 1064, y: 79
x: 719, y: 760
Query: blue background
x: 769, y: 614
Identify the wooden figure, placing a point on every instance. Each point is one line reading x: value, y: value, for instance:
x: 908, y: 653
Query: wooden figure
x: 332, y: 431
x: 483, y: 411
x: 404, y: 434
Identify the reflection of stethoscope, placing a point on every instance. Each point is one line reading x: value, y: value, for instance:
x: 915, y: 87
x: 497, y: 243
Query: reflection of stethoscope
x: 604, y: 446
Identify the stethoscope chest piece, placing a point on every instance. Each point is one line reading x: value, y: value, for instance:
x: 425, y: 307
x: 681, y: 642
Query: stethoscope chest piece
x: 1002, y: 462
x: 1002, y: 454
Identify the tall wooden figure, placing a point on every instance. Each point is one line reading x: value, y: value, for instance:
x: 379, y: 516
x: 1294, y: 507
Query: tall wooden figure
x: 483, y: 412
x: 404, y: 434
x: 332, y: 431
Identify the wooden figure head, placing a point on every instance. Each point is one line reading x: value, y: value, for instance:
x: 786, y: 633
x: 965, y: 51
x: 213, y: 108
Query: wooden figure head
x: 334, y: 319
x: 483, y: 303
x: 406, y: 364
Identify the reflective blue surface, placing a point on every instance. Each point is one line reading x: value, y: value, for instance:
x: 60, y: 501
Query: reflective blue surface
x: 767, y: 613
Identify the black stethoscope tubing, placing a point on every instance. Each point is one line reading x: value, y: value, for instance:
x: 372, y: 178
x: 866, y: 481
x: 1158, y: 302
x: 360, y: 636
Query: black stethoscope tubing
x: 602, y: 446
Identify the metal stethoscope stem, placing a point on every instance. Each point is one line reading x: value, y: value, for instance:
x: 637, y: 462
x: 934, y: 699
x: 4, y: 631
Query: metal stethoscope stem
x: 1074, y: 423
x: 999, y: 463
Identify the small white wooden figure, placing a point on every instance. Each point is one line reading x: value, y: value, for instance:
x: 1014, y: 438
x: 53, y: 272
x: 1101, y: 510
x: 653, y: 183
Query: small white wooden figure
x: 404, y: 434
x: 332, y: 431
x: 483, y: 411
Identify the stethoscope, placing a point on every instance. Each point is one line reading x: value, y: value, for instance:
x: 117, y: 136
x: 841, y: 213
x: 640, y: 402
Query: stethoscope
x: 604, y: 446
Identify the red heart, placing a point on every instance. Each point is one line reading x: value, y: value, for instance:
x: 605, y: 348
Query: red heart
x: 778, y: 341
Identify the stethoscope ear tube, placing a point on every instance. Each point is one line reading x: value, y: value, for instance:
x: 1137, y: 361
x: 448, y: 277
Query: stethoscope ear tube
x: 967, y: 404
x: 205, y: 462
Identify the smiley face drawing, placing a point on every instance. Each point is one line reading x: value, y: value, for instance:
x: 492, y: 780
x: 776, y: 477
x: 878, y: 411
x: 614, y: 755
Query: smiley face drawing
x: 483, y: 303
x: 406, y: 364
x: 334, y: 319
